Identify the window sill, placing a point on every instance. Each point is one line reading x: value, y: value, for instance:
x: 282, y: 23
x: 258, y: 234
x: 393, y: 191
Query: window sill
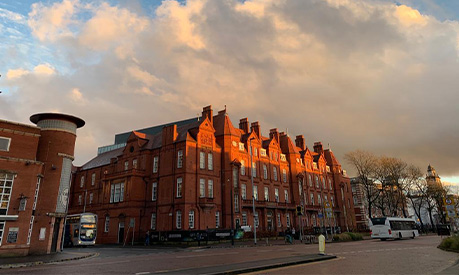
x: 8, y: 217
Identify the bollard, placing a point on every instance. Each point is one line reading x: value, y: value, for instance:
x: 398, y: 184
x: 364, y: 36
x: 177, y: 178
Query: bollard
x: 321, y: 244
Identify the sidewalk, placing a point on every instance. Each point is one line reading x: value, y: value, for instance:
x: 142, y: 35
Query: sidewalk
x: 15, y: 262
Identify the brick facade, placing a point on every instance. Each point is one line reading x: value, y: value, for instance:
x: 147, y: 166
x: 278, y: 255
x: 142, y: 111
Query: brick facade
x: 196, y: 174
x: 31, y: 176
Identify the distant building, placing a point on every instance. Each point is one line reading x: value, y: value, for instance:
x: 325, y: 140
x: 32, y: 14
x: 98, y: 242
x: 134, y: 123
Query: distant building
x: 196, y: 174
x: 35, y: 170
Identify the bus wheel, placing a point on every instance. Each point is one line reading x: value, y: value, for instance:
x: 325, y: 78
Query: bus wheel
x: 413, y: 236
x: 400, y: 235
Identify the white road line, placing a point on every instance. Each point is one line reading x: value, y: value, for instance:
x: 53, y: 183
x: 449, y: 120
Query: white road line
x: 141, y: 273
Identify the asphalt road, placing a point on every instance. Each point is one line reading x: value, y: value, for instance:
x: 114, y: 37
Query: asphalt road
x: 418, y: 256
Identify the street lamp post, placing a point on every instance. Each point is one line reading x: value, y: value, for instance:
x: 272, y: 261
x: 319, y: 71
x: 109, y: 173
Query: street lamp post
x: 232, y: 215
x: 253, y: 194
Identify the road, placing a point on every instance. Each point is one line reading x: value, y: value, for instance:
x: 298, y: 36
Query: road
x: 418, y: 256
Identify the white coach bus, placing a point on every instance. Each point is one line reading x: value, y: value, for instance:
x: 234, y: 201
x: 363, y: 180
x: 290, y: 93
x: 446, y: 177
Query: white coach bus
x: 393, y: 228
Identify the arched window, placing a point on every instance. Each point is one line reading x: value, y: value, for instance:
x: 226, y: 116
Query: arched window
x: 107, y: 223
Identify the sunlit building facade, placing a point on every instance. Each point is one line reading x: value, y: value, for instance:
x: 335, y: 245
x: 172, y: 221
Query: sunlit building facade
x: 196, y: 174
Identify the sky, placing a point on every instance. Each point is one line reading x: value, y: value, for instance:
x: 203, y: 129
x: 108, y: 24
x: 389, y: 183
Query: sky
x: 380, y: 76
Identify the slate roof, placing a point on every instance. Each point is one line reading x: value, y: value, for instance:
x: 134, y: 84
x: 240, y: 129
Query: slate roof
x: 102, y: 159
x: 122, y: 138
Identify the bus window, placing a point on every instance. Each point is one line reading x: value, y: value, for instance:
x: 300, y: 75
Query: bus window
x: 378, y: 221
x: 75, y: 234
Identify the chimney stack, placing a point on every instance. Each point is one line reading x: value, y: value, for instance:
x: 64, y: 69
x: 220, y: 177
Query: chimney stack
x: 207, y: 112
x: 244, y: 125
x: 318, y: 147
x: 255, y: 127
x: 274, y: 134
x: 299, y: 140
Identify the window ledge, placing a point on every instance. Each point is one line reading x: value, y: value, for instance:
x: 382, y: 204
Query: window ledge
x: 8, y: 217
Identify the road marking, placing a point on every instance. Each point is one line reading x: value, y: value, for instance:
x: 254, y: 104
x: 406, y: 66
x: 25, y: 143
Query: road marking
x: 141, y: 273
x: 206, y: 255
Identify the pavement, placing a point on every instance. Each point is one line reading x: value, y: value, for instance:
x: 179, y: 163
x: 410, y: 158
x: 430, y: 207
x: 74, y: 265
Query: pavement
x: 32, y: 260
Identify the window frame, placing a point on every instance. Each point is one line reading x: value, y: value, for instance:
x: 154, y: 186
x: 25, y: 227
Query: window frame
x: 8, y: 144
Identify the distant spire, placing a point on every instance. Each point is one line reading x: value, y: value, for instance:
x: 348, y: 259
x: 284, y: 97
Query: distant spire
x: 329, y: 148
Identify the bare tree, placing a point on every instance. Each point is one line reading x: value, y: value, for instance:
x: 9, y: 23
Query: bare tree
x: 417, y: 191
x: 391, y: 172
x: 365, y: 163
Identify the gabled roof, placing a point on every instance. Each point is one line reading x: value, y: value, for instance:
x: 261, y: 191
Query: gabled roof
x: 246, y: 137
x: 289, y: 147
x: 224, y: 126
x: 102, y: 159
x: 330, y: 157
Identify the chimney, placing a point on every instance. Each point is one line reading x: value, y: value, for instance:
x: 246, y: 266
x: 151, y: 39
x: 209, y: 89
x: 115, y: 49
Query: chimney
x: 169, y: 134
x: 255, y: 127
x: 299, y: 141
x: 207, y: 112
x: 274, y: 134
x: 244, y: 125
x: 318, y: 147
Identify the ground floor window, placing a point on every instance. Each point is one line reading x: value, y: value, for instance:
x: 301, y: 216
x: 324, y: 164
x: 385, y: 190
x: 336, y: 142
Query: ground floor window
x: 191, y: 219
x: 288, y: 219
x: 107, y: 223
x: 153, y: 221
x: 217, y: 219
x: 2, y: 227
x: 178, y: 219
x: 244, y: 219
x: 279, y: 222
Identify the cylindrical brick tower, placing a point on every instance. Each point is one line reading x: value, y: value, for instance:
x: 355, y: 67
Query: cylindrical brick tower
x: 55, y: 149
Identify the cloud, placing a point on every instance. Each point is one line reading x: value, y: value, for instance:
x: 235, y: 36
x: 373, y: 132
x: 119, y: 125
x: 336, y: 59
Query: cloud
x: 49, y: 23
x: 15, y: 73
x: 110, y: 24
x: 356, y: 74
x: 12, y: 16
x: 44, y: 69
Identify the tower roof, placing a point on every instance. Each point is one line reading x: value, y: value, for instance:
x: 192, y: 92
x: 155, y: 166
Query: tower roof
x: 44, y: 116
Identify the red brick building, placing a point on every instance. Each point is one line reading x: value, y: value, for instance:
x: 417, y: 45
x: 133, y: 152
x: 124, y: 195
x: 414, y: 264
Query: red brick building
x: 35, y: 170
x: 195, y: 174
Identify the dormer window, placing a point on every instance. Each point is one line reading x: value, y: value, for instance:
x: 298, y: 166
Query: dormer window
x: 263, y: 152
x: 241, y: 146
x: 282, y: 157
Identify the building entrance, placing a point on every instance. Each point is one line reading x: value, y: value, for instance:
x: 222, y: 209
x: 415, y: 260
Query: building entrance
x: 121, y: 232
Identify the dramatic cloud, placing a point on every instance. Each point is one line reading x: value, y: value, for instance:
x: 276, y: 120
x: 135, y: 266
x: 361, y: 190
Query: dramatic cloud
x: 356, y: 74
